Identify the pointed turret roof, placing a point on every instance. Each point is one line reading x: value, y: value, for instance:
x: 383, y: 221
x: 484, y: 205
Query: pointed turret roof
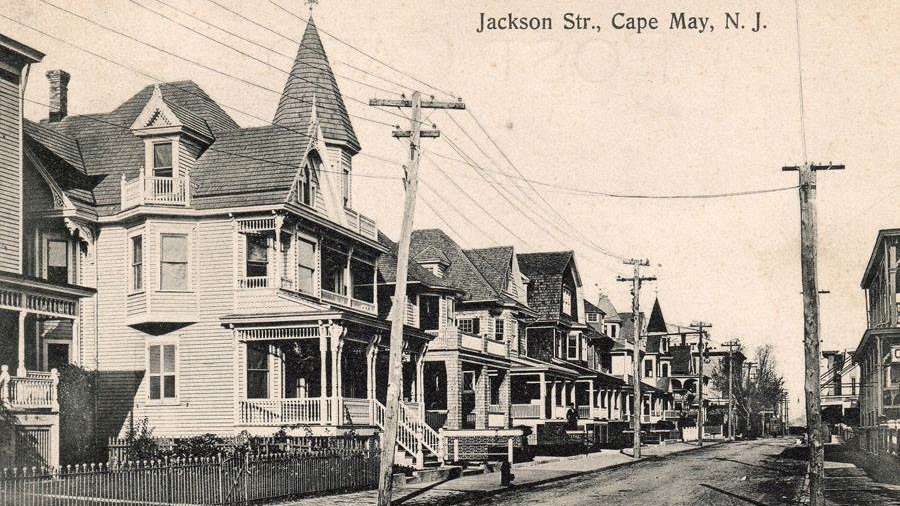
x: 311, y: 80
x: 657, y: 323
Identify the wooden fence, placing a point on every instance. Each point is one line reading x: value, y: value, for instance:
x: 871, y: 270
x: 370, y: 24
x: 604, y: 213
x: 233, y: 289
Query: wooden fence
x: 881, y: 440
x: 218, y: 480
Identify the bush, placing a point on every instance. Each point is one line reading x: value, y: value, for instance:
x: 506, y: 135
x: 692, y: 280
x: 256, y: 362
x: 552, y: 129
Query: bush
x: 77, y: 427
x: 205, y: 445
x: 141, y: 443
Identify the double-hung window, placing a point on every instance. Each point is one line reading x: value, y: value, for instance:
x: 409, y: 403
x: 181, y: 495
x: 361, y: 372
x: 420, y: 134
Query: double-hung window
x: 137, y: 263
x: 572, y: 347
x: 161, y: 371
x: 469, y: 325
x: 648, y: 368
x: 173, y: 262
x: 306, y: 265
x: 257, y: 370
x: 499, y: 329
x: 257, y: 264
x: 567, y: 301
x: 57, y: 260
x: 162, y: 159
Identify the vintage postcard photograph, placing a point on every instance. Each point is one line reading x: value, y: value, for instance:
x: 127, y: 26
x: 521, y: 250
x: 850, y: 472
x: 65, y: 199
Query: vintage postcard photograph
x: 302, y: 252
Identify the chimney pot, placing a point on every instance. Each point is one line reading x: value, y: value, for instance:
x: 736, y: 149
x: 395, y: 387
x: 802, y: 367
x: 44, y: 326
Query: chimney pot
x: 59, y: 94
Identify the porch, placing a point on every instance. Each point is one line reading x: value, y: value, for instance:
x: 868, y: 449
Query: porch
x: 38, y: 335
x: 464, y: 391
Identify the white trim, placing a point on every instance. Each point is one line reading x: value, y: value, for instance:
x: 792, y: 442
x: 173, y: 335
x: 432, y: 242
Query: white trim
x: 162, y: 342
x: 137, y: 231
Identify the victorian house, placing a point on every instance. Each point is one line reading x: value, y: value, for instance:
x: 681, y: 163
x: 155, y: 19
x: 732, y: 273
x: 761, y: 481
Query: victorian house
x: 237, y: 287
x: 559, y: 365
x: 878, y: 351
x: 44, y: 245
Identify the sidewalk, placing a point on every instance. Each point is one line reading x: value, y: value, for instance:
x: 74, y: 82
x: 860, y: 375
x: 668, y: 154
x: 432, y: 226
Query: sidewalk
x: 527, y: 474
x: 847, y: 484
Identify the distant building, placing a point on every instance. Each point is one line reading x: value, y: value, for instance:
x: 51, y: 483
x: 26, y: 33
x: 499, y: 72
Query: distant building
x: 878, y: 351
x: 839, y: 388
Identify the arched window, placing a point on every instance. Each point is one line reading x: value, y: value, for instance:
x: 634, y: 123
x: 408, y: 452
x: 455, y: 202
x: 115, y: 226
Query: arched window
x: 304, y: 192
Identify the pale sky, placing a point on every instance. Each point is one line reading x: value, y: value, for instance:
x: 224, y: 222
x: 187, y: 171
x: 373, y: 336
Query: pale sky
x: 660, y: 112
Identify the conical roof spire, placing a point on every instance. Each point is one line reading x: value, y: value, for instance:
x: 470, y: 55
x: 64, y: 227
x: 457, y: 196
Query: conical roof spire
x: 656, y: 323
x: 311, y: 76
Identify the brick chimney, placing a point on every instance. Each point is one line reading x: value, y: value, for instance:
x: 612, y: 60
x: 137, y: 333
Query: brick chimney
x: 59, y: 94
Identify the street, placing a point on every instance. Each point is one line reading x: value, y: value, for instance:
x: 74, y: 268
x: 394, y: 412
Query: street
x: 747, y: 472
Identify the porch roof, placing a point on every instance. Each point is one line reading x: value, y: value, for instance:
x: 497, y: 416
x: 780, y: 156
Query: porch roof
x: 530, y: 365
x: 27, y: 294
x: 288, y: 318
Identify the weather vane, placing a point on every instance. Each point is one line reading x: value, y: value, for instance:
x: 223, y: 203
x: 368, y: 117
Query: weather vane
x: 311, y: 4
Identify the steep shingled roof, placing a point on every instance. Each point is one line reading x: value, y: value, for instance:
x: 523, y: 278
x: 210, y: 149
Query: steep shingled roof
x: 462, y: 272
x: 545, y: 272
x: 109, y: 149
x: 311, y: 78
x: 387, y: 267
x: 656, y: 323
x: 606, y: 305
x: 494, y: 263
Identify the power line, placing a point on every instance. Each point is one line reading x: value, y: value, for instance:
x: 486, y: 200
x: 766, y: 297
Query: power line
x: 202, y: 65
x: 371, y: 57
x: 176, y: 86
x: 248, y: 55
x: 475, y: 201
x: 457, y: 210
x: 218, y: 150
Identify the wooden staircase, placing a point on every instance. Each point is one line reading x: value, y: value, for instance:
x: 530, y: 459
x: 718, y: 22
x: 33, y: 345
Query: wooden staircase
x: 420, y: 443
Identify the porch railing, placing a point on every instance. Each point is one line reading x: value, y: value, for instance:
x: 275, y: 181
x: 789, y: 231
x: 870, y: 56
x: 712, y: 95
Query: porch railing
x: 284, y: 411
x: 671, y: 414
x: 347, y: 301
x: 37, y: 390
x: 253, y: 282
x: 584, y: 412
x: 525, y: 410
x: 361, y: 224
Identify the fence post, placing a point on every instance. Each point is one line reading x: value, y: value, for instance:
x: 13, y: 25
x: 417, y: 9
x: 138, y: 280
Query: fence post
x: 220, y: 487
x: 245, y: 473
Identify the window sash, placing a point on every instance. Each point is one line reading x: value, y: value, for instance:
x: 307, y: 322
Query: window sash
x: 257, y: 371
x: 572, y: 347
x: 137, y: 263
x: 469, y: 325
x: 173, y: 262
x: 162, y: 371
x: 499, y: 329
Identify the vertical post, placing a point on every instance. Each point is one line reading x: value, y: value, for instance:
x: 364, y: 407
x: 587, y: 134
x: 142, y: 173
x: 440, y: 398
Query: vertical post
x: 386, y: 483
x: 730, y: 399
x: 323, y: 374
x: 636, y: 359
x: 701, y: 418
x: 21, y: 370
x: 543, y: 395
x: 808, y: 262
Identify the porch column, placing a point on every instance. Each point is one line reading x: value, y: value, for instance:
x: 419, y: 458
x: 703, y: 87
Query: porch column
x: 572, y: 385
x: 420, y: 384
x: 505, y: 398
x: 323, y: 377
x: 21, y: 370
x: 76, y: 336
x: 453, y: 369
x: 482, y: 386
x: 371, y: 360
x: 543, y: 395
x: 591, y: 403
x: 553, y: 399
x: 336, y: 347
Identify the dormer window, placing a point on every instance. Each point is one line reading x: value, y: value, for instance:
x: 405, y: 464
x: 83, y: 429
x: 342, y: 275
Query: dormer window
x: 593, y: 317
x: 162, y: 159
x: 567, y: 301
x: 304, y: 195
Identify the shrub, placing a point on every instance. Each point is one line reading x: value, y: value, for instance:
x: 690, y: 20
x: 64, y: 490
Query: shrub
x: 141, y: 444
x: 76, y: 394
x: 204, y: 445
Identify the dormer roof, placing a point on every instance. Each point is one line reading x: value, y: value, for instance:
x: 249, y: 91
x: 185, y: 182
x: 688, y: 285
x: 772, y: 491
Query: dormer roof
x: 164, y: 116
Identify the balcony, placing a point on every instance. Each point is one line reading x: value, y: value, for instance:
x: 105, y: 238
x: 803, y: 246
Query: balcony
x: 154, y: 191
x: 36, y: 391
x: 361, y: 224
x: 347, y: 301
x: 483, y: 344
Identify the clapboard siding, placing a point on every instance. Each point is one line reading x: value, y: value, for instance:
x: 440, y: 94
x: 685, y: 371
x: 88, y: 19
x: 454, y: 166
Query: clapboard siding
x: 10, y: 175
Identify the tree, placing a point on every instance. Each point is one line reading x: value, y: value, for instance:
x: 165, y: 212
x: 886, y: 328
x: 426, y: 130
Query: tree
x: 767, y: 385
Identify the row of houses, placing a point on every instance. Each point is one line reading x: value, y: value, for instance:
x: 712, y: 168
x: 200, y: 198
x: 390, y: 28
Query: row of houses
x: 219, y: 279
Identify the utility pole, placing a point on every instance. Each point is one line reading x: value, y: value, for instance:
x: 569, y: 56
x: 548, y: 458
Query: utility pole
x: 734, y: 343
x: 749, y: 365
x: 411, y: 183
x: 636, y: 281
x: 700, y: 325
x: 808, y: 266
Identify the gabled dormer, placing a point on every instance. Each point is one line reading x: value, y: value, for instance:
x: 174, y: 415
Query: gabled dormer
x: 174, y: 138
x: 434, y: 260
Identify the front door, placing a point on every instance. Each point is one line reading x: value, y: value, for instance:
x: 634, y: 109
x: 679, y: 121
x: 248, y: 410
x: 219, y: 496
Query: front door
x: 56, y: 354
x: 468, y: 400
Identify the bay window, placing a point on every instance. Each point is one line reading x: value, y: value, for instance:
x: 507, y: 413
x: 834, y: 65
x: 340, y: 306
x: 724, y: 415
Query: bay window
x: 161, y: 371
x: 173, y: 262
